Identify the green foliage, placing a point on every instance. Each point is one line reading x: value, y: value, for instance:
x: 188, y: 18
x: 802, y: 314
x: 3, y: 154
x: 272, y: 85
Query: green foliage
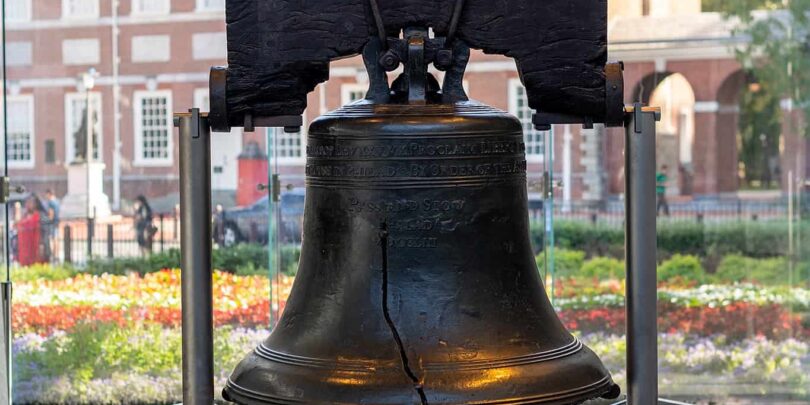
x: 769, y: 271
x: 578, y: 235
x: 749, y: 238
x: 243, y: 259
x: 567, y: 262
x: 240, y: 256
x: 104, y: 350
x: 169, y: 259
x: 603, y: 268
x: 760, y: 125
x: 682, y: 268
x: 42, y: 272
x: 777, y: 54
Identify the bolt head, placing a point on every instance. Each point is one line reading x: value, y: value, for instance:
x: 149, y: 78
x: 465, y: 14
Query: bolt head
x: 444, y: 59
x: 389, y: 61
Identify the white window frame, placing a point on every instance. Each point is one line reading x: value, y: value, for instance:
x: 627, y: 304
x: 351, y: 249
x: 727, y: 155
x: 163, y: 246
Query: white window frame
x: 287, y: 160
x: 29, y: 163
x: 347, y: 89
x: 95, y: 13
x: 139, y: 160
x: 514, y: 85
x: 137, y: 6
x: 202, y: 7
x: 69, y: 141
x: 28, y: 12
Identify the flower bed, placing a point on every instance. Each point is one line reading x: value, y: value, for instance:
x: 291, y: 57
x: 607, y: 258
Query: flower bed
x: 116, y: 339
x: 734, y: 321
x: 141, y: 365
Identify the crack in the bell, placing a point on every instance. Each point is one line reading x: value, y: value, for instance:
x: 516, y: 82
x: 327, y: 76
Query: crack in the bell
x: 417, y: 384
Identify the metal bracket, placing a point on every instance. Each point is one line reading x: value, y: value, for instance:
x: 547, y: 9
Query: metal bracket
x: 614, y: 113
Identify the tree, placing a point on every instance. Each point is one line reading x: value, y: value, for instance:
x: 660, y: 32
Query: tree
x: 777, y: 50
x: 760, y: 126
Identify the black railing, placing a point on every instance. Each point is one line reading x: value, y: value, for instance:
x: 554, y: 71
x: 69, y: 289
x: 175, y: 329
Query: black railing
x: 706, y: 212
x: 77, y: 240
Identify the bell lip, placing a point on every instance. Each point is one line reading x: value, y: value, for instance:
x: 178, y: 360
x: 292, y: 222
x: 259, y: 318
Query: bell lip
x: 264, y: 352
x: 604, y: 388
x: 599, y: 385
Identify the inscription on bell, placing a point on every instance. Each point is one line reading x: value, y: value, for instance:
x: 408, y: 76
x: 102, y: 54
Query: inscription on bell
x: 416, y: 170
x: 357, y: 206
x: 415, y: 149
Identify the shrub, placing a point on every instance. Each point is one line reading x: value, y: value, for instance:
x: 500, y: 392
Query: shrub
x: 243, y: 259
x: 603, y: 268
x: 567, y: 263
x: 42, y: 272
x: 749, y: 238
x: 682, y: 267
x: 769, y: 271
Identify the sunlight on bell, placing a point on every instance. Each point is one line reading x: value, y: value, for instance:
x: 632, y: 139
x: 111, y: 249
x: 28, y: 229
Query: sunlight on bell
x: 489, y: 377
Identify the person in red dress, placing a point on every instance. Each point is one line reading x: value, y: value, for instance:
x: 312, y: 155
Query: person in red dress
x: 29, y: 233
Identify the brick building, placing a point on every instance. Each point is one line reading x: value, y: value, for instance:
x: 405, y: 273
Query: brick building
x: 159, y: 52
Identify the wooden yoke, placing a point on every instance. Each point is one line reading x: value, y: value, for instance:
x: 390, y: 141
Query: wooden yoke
x: 279, y: 50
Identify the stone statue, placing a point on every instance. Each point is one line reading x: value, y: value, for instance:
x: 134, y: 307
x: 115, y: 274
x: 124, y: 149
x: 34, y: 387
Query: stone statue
x: 80, y: 138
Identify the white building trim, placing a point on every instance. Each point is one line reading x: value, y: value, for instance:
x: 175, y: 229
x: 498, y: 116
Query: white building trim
x: 95, y: 22
x: 707, y: 106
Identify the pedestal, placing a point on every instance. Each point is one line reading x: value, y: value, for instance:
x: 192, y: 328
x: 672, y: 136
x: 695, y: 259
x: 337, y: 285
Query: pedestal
x: 85, y: 185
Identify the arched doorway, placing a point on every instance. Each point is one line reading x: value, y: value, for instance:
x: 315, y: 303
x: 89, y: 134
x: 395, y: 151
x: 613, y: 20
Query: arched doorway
x: 676, y: 131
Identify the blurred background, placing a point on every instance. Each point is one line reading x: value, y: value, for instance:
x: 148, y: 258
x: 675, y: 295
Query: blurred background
x: 91, y: 230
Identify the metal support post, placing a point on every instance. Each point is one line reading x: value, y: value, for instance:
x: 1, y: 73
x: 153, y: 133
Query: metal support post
x: 5, y: 335
x: 640, y: 252
x: 195, y: 242
x: 640, y: 257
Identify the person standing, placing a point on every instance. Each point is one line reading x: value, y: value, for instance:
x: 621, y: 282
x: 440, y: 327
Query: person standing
x: 661, y: 191
x: 52, y: 205
x: 143, y: 225
x: 30, y: 247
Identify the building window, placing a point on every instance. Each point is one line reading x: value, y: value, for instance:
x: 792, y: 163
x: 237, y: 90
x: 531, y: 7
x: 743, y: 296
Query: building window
x: 18, y: 10
x: 20, y: 140
x: 50, y: 151
x: 288, y: 147
x: 19, y: 53
x: 352, y: 92
x: 76, y: 125
x: 82, y: 51
x: 210, y: 5
x: 153, y: 128
x: 519, y: 107
x: 151, y: 48
x: 80, y: 9
x: 150, y: 7
x: 209, y: 46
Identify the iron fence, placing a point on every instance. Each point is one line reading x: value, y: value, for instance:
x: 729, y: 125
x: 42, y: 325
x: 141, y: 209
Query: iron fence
x: 76, y: 241
x: 611, y: 213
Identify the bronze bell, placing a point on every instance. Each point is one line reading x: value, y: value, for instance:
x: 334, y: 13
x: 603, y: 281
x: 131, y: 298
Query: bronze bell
x: 417, y: 282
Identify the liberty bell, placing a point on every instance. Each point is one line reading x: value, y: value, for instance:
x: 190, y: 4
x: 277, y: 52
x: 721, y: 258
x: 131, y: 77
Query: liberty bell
x: 417, y: 282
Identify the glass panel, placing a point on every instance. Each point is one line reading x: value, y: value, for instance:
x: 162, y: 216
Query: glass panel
x: 90, y: 90
x: 16, y: 141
